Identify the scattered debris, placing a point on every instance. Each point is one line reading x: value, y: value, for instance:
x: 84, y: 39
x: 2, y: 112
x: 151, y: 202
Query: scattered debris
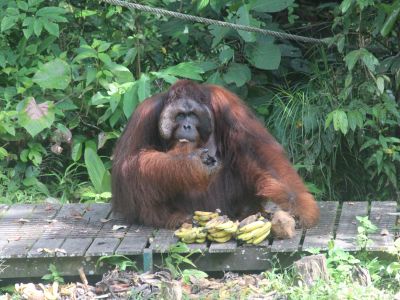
x: 160, y: 285
x: 118, y: 227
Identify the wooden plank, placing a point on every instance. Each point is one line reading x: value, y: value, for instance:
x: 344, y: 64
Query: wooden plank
x: 75, y: 246
x: 70, y: 211
x: 94, y: 212
x: 102, y: 246
x: 45, y: 211
x: 288, y: 245
x: 346, y: 233
x: 107, y: 229
x: 383, y: 216
x: 320, y: 235
x: 227, y: 247
x: 16, y: 249
x: 163, y: 240
x: 132, y: 245
x: 45, y: 248
x: 18, y: 211
x: 3, y: 209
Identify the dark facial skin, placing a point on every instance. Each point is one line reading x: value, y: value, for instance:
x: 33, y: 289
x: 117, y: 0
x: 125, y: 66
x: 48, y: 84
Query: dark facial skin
x: 187, y: 123
x: 186, y: 119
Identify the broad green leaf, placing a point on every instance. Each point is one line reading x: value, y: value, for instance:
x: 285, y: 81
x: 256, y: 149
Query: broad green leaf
x: 245, y: 19
x: 22, y: 5
x: 201, y: 4
x: 50, y: 11
x: 219, y: 33
x: 37, y: 26
x: 35, y: 117
x: 186, y: 70
x: 340, y: 121
x: 380, y: 83
x: 55, y: 74
x: 8, y: 22
x: 238, y: 74
x: 143, y: 87
x: 98, y: 174
x: 270, y: 6
x: 264, y: 55
x: 226, y: 54
x: 121, y: 72
x: 77, y: 146
x: 103, y: 47
x: 345, y: 5
x: 130, y: 100
x: 369, y: 60
x: 3, y: 153
x: 105, y: 58
x: 351, y: 58
x: 52, y: 28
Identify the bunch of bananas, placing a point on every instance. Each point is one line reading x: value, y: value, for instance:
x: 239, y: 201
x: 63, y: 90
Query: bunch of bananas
x: 189, y: 234
x: 221, y: 229
x: 253, y: 229
x: 202, y: 217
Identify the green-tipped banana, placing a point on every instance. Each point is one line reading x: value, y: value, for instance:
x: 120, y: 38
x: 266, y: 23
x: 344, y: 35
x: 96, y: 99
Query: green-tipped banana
x: 187, y: 234
x: 220, y: 234
x: 224, y: 225
x: 261, y: 230
x: 188, y: 241
x: 223, y: 239
x: 203, y: 213
x: 233, y: 228
x: 250, y: 227
x: 249, y: 236
x: 205, y: 218
x: 216, y: 221
x: 261, y: 238
x: 200, y: 240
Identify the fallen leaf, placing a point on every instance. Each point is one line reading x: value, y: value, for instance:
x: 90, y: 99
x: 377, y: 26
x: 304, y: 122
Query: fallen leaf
x: 23, y: 221
x: 117, y: 227
x: 384, y: 232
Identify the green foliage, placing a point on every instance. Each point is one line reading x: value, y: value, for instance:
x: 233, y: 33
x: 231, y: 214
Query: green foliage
x: 365, y: 227
x: 54, y: 275
x: 178, y: 256
x: 72, y: 73
x: 119, y: 261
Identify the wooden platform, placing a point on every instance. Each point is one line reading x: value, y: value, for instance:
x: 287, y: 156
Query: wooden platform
x: 75, y: 235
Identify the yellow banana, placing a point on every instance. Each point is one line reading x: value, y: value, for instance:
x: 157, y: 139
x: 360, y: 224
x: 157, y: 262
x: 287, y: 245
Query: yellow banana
x: 247, y: 236
x: 200, y: 240
x: 261, y: 238
x: 222, y: 239
x: 205, y: 217
x: 224, y: 225
x: 220, y: 234
x: 261, y: 230
x: 203, y: 213
x: 186, y: 234
x: 254, y: 234
x: 214, y: 222
x: 201, y: 234
x: 233, y: 228
x: 188, y: 240
x: 250, y: 227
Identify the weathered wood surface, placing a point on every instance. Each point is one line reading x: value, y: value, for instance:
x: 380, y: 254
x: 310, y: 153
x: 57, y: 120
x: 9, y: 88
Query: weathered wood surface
x: 320, y: 235
x: 75, y: 235
x: 384, y: 217
x: 346, y: 233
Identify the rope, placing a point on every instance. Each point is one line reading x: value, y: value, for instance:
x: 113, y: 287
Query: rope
x: 160, y: 11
